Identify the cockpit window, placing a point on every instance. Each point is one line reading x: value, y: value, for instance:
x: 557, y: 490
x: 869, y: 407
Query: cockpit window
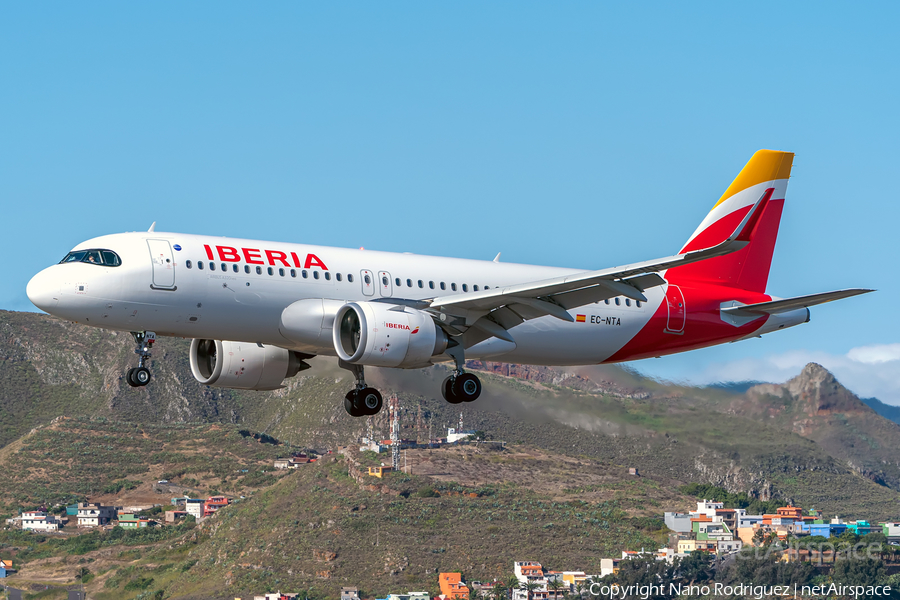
x: 107, y: 258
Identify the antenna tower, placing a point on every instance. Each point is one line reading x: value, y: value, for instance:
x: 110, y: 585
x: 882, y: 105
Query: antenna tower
x: 394, y: 404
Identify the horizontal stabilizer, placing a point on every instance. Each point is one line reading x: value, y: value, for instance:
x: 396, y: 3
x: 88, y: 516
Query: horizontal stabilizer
x: 788, y: 304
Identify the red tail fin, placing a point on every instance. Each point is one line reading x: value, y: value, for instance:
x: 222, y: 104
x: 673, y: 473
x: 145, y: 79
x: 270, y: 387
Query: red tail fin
x: 747, y: 268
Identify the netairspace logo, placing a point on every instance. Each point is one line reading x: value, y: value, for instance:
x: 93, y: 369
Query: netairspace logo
x: 758, y: 592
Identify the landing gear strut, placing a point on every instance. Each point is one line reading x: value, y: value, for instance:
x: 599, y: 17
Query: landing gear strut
x: 140, y: 376
x: 362, y: 400
x: 460, y: 386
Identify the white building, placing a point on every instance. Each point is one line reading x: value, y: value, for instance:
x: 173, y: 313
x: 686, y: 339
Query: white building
x: 454, y: 436
x: 194, y: 506
x: 91, y: 514
x: 38, y: 520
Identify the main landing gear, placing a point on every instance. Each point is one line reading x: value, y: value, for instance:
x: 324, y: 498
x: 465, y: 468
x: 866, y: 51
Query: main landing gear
x: 140, y: 376
x: 362, y: 400
x: 460, y: 386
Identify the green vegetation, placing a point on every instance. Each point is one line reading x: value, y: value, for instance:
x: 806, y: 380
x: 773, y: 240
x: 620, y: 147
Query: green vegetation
x: 730, y: 500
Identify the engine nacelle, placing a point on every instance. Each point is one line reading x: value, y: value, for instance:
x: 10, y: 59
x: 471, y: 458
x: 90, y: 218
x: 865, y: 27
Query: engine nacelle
x: 243, y: 366
x: 385, y: 335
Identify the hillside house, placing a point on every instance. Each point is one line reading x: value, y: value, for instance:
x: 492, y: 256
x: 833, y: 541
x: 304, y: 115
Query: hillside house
x: 214, y: 503
x: 132, y: 521
x: 452, y: 586
x: 380, y: 471
x: 91, y: 514
x: 864, y: 527
x: 409, y: 596
x: 891, y: 532
x: 38, y: 520
x: 194, y: 507
x: 174, y: 515
x: 349, y: 593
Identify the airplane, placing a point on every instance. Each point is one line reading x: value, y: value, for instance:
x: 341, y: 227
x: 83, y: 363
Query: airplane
x: 256, y: 311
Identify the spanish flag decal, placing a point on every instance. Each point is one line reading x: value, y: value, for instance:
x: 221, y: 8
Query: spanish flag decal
x: 579, y: 318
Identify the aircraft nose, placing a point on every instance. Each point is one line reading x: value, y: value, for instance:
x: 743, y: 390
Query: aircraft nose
x: 43, y: 290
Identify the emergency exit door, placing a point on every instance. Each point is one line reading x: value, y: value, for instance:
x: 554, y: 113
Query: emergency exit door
x: 677, y: 311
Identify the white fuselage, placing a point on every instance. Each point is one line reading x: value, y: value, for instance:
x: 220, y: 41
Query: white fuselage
x: 160, y: 286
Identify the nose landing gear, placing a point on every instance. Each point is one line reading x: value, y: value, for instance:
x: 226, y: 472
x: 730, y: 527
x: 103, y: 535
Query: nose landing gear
x: 140, y: 376
x: 362, y: 400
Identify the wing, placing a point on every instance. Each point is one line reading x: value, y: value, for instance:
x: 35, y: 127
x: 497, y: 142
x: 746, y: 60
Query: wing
x: 493, y: 312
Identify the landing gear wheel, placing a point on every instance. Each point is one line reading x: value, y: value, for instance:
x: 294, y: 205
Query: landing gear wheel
x: 448, y: 392
x: 129, y: 377
x: 348, y: 403
x: 140, y: 376
x: 369, y: 401
x: 467, y: 387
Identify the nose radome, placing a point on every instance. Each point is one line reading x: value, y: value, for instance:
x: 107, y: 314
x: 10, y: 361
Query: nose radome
x: 43, y: 290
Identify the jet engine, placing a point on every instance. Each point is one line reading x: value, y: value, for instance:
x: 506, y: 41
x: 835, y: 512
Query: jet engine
x: 243, y: 366
x: 384, y: 335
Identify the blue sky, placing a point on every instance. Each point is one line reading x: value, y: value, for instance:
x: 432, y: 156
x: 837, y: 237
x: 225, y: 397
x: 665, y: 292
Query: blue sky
x: 578, y: 134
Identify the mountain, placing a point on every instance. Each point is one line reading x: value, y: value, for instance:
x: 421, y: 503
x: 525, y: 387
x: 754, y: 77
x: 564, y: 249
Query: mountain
x: 811, y: 446
x: 888, y: 411
x: 816, y: 406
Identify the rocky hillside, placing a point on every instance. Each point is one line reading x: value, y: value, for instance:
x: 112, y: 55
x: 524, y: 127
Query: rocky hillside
x: 815, y: 447
x: 816, y: 406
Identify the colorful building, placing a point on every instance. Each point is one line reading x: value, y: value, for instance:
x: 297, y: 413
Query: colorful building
x: 452, y: 586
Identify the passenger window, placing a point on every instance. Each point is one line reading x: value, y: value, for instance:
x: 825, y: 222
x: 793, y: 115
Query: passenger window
x: 618, y: 302
x: 384, y: 281
x: 431, y: 284
x: 350, y: 277
x: 421, y: 285
x: 224, y: 268
x: 397, y: 282
x: 304, y: 273
x: 453, y: 286
x: 247, y: 269
x: 474, y: 288
x: 638, y: 303
x: 367, y: 279
x: 606, y: 301
x: 316, y: 275
x: 487, y: 287
x: 187, y: 264
x: 409, y: 283
x: 212, y: 266
x: 270, y: 270
x: 465, y: 287
x: 337, y: 276
x: 443, y: 286
x: 259, y: 270
x: 200, y: 264
x: 281, y: 272
x: 293, y: 272
x: 627, y: 301
x: 234, y: 268
x: 327, y: 276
